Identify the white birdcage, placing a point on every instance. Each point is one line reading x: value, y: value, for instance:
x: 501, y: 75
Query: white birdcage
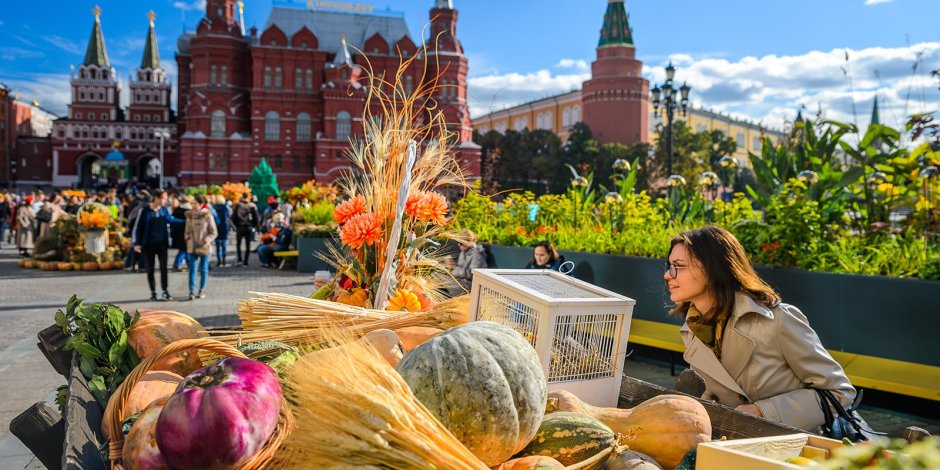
x: 579, y: 330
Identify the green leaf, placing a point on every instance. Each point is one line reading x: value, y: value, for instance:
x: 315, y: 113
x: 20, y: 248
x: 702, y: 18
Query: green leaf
x: 61, y: 321
x: 87, y: 366
x: 117, y: 348
x: 116, y: 318
x: 86, y: 349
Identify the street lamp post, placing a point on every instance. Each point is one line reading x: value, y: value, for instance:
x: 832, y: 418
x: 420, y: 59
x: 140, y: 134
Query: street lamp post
x: 670, y: 103
x: 162, y: 134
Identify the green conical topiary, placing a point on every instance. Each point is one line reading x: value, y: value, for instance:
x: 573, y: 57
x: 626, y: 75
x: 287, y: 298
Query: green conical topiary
x: 263, y: 183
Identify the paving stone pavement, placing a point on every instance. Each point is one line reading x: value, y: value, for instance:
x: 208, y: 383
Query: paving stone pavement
x: 29, y: 298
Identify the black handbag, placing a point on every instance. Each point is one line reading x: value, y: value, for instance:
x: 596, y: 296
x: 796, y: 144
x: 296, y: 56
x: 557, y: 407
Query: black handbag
x: 844, y: 422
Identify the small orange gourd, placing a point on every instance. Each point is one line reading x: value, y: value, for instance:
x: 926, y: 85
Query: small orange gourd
x: 665, y: 427
x: 356, y: 297
x: 152, y: 385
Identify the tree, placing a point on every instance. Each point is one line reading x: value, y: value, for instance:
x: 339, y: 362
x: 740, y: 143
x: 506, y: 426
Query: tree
x: 609, y: 153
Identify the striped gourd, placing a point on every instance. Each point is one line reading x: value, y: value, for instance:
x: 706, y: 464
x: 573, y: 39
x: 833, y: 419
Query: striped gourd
x: 570, y: 438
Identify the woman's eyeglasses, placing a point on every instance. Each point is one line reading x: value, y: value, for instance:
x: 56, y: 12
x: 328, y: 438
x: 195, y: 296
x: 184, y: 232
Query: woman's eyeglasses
x: 673, y: 269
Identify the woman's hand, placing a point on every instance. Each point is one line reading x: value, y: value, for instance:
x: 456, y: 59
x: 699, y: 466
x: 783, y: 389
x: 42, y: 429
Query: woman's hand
x: 750, y: 409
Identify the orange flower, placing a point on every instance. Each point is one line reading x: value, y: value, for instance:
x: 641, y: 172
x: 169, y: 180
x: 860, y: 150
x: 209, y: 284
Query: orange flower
x: 349, y: 208
x: 361, y: 228
x: 96, y: 219
x: 427, y: 206
x: 404, y: 301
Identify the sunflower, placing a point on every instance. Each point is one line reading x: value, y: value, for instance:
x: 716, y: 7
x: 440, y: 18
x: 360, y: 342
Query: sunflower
x: 349, y: 208
x: 361, y: 228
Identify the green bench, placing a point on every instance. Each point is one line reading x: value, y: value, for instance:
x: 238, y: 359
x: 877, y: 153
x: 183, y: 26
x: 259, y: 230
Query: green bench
x: 889, y: 375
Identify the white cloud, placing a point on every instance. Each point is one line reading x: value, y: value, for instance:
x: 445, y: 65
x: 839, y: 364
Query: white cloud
x: 51, y: 90
x: 576, y: 64
x: 769, y: 89
x: 493, y: 92
x: 198, y: 5
x: 64, y: 44
x: 13, y: 53
x: 875, y: 2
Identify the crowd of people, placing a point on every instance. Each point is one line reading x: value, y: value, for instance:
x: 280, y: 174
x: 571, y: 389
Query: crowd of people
x: 197, y: 226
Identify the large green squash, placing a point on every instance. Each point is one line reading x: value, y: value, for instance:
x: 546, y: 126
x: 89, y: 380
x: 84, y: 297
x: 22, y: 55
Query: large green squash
x: 484, y: 382
x: 570, y: 438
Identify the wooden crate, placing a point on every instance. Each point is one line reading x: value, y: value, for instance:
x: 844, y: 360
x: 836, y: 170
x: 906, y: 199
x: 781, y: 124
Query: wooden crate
x: 763, y: 453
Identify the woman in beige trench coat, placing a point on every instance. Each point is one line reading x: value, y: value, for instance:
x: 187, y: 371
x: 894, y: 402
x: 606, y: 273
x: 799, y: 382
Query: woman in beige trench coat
x: 755, y: 353
x: 25, y: 226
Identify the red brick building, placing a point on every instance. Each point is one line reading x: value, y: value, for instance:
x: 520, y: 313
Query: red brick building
x: 96, y: 124
x: 25, y: 152
x: 295, y: 92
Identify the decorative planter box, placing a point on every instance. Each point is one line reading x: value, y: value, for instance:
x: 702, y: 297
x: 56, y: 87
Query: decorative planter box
x: 307, y: 259
x: 855, y: 313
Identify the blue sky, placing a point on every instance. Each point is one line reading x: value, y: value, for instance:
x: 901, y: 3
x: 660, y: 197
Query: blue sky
x: 760, y: 59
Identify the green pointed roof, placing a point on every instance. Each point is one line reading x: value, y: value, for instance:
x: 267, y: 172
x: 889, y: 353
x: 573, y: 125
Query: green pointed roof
x: 96, y: 54
x: 874, y: 112
x: 151, y: 58
x: 263, y: 183
x: 616, y: 30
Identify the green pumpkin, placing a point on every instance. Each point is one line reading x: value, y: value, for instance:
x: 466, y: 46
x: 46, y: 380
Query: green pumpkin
x: 484, y: 382
x: 570, y: 438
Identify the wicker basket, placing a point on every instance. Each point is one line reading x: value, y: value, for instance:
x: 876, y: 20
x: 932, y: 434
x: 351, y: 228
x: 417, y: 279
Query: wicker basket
x: 259, y: 461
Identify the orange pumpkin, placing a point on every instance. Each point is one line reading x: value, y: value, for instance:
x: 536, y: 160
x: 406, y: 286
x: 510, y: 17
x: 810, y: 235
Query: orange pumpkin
x: 153, y: 385
x: 356, y: 297
x: 158, y: 328
x: 76, y: 266
x: 64, y: 266
x: 119, y: 264
x: 90, y: 266
x: 414, y: 336
x: 665, y: 427
x: 533, y: 462
x: 104, y: 266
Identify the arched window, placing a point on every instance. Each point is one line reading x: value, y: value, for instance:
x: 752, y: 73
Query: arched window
x: 272, y: 126
x: 104, y: 74
x: 566, y: 117
x: 223, y: 80
x: 309, y: 81
x: 267, y: 77
x: 298, y: 78
x: 213, y: 75
x: 343, y: 125
x: 303, y: 127
x: 218, y: 123
x: 278, y: 81
x: 575, y: 115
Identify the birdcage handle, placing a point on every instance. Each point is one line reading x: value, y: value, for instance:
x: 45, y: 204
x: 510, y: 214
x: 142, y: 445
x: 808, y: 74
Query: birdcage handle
x: 566, y: 267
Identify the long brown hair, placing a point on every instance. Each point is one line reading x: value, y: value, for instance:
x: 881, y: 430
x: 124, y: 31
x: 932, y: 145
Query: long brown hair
x: 724, y: 262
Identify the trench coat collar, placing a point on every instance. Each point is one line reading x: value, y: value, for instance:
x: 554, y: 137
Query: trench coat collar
x: 744, y: 304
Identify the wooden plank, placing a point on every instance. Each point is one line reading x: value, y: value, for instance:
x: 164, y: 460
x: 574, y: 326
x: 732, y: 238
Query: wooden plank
x: 52, y: 344
x: 281, y: 254
x: 41, y: 429
x: 82, y: 426
x: 726, y: 421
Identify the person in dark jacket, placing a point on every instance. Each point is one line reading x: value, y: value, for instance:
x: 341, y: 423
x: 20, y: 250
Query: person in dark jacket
x: 152, y: 239
x: 281, y: 241
x: 181, y: 206
x: 6, y: 212
x: 544, y: 256
x: 472, y: 256
x: 221, y: 222
x: 245, y: 219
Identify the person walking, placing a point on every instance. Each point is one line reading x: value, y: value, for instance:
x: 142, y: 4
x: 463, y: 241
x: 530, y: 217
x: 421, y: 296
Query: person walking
x: 200, y: 231
x: 245, y: 218
x: 221, y: 223
x: 25, y: 222
x: 6, y: 211
x: 181, y: 205
x: 152, y: 239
